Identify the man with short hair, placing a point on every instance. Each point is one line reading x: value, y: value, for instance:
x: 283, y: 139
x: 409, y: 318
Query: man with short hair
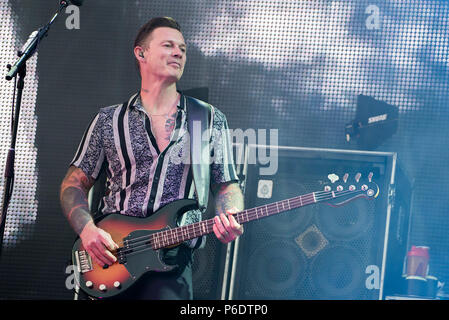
x: 137, y: 143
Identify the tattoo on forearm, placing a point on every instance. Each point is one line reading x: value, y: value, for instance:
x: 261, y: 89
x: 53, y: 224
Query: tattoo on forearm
x: 73, y: 197
x: 229, y: 196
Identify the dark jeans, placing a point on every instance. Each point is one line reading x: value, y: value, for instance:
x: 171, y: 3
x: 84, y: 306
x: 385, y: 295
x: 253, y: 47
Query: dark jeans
x: 173, y: 285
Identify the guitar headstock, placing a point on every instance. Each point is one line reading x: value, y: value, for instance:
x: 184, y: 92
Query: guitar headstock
x: 352, y: 187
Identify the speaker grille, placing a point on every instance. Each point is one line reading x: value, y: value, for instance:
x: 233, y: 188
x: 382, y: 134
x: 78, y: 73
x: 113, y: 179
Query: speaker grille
x: 207, y: 270
x: 348, y: 222
x: 337, y: 273
x: 277, y: 269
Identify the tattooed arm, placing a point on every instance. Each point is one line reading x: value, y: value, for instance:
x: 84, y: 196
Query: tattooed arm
x: 228, y: 200
x: 73, y: 197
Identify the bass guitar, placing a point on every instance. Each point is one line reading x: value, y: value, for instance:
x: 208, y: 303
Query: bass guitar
x: 141, y: 239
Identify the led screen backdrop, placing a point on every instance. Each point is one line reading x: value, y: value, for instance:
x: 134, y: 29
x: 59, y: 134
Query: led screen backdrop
x: 24, y: 203
x: 295, y: 66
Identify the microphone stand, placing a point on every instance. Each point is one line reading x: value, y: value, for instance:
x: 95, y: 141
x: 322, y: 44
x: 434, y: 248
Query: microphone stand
x: 18, y: 71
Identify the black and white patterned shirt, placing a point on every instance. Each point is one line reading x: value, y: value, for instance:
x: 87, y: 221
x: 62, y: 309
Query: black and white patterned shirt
x: 140, y: 178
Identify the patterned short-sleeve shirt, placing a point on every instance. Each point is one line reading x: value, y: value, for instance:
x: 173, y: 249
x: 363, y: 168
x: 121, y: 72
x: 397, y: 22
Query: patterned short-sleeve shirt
x: 140, y: 178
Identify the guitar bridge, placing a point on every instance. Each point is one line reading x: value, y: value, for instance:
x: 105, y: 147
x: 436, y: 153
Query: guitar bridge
x: 84, y: 261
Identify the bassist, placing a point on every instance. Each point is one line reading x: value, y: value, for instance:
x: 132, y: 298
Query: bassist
x: 139, y: 143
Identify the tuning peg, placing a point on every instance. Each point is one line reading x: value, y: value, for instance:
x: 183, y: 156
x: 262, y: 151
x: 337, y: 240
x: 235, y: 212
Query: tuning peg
x: 358, y: 176
x: 345, y: 177
x: 333, y: 177
x: 370, y: 176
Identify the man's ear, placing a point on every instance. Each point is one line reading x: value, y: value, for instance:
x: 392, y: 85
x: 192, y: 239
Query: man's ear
x: 139, y: 53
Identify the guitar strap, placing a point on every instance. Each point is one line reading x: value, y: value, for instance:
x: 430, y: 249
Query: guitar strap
x: 198, y: 119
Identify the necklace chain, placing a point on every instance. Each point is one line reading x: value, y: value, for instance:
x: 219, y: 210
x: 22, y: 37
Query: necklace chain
x: 166, y: 115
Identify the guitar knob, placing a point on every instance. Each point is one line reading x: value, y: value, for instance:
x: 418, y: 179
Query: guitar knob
x: 102, y: 287
x: 345, y: 177
x: 89, y: 284
x: 117, y: 285
x: 358, y: 176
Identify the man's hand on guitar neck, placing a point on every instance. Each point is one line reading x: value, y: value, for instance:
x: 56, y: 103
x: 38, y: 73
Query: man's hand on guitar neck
x: 229, y: 200
x: 226, y: 228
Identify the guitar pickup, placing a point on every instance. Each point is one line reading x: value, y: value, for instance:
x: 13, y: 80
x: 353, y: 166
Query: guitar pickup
x: 83, y: 261
x: 121, y: 256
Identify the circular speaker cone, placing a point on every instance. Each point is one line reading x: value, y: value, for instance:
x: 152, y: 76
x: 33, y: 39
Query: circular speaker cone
x: 292, y: 222
x: 275, y: 267
x: 347, y: 222
x: 338, y: 273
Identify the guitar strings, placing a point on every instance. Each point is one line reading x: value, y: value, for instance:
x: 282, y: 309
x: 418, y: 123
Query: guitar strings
x: 168, y: 238
x: 302, y: 198
x: 198, y: 227
x: 143, y: 238
x: 143, y: 243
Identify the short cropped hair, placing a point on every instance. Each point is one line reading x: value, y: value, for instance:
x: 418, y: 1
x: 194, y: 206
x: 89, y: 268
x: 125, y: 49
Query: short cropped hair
x: 150, y: 26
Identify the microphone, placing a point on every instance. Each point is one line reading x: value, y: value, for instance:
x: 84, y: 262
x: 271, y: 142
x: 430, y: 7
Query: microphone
x: 31, y: 38
x: 77, y: 3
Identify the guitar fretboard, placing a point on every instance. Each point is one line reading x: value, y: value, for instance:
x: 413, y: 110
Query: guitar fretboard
x: 177, y: 235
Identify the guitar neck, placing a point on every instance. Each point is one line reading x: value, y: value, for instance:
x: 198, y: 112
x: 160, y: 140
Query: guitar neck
x: 177, y: 235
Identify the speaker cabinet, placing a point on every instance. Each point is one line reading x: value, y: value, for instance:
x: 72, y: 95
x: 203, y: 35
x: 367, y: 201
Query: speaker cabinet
x: 317, y: 251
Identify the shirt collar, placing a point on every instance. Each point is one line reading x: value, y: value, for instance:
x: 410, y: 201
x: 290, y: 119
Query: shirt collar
x: 135, y: 101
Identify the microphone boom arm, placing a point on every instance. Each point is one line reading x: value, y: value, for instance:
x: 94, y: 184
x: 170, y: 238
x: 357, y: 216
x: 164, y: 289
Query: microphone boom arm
x: 33, y: 41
